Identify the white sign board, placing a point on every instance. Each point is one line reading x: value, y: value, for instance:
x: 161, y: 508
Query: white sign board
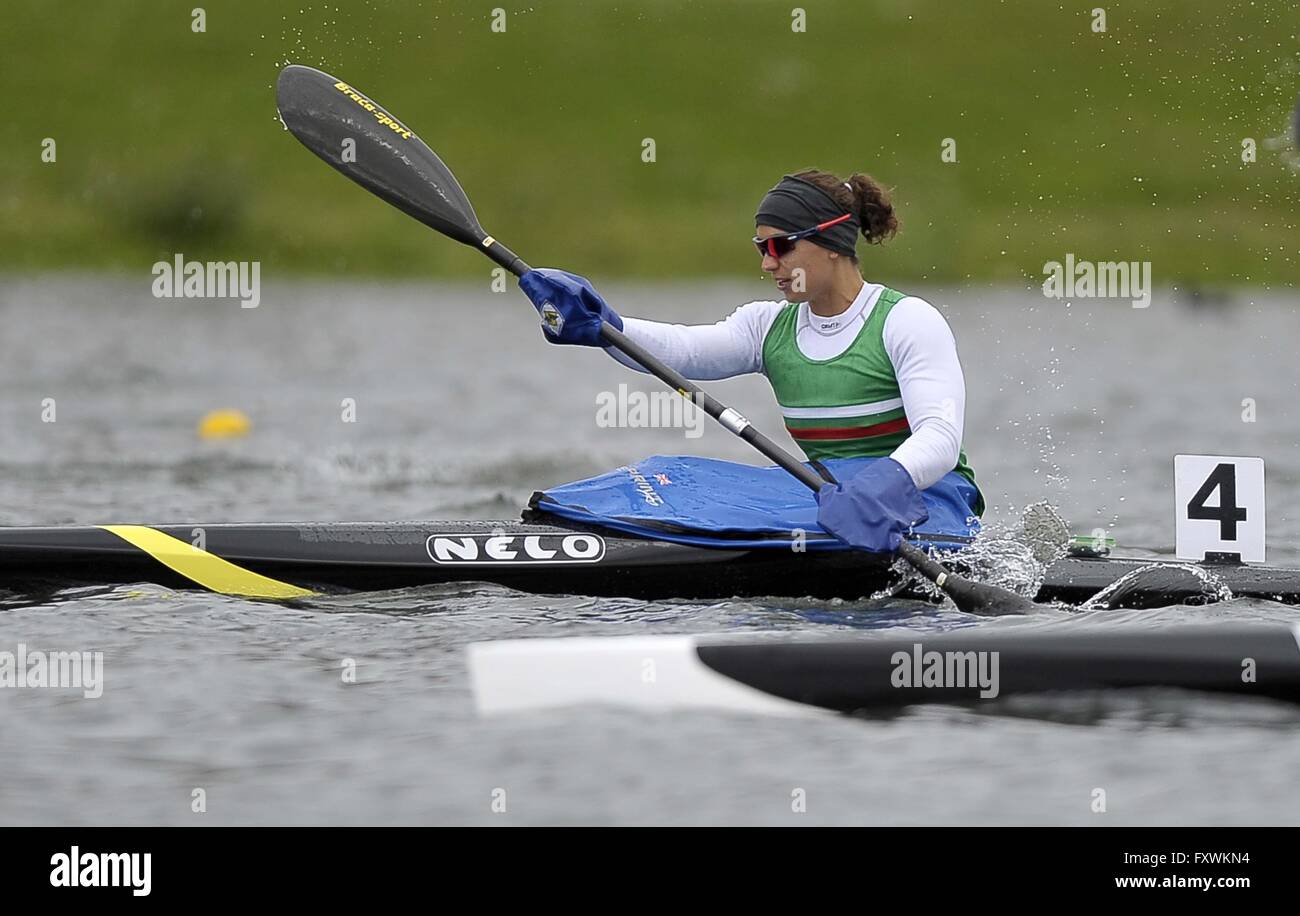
x: 1219, y: 506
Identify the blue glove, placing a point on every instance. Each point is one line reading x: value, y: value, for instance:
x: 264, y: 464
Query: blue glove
x: 570, y: 307
x: 873, y: 509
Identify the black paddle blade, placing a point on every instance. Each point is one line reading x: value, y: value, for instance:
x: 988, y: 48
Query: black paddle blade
x: 387, y: 158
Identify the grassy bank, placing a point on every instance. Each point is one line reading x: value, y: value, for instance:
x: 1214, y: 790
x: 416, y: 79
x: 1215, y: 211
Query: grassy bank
x: 1118, y: 145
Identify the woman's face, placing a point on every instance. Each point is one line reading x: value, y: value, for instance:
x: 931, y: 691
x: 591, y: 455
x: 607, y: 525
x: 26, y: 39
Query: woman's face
x: 802, y: 272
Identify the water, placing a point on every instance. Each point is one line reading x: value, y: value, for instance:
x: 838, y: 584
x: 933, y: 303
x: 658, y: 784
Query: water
x: 462, y: 411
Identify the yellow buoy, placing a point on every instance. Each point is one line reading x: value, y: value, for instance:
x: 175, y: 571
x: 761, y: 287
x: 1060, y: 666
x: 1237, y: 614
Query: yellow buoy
x: 225, y: 424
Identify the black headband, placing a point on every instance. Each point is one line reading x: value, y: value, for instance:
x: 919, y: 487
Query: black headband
x: 796, y: 204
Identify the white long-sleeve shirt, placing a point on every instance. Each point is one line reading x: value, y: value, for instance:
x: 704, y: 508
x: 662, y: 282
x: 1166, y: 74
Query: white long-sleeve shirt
x: 917, y: 339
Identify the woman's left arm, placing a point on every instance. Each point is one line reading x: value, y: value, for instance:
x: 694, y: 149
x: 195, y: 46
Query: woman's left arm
x: 924, y: 353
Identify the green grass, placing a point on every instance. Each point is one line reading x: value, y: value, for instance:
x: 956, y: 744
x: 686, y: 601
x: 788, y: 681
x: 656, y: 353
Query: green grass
x: 1121, y: 145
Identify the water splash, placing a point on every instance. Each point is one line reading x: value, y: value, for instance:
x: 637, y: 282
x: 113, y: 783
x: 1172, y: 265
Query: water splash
x: 1014, y: 557
x: 1202, y: 586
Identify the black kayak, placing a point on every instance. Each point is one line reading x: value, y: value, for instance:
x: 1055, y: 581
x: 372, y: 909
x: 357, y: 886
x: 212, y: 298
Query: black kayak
x: 294, y: 560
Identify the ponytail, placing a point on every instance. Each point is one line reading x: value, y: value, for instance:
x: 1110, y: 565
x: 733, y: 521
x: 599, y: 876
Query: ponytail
x: 864, y: 197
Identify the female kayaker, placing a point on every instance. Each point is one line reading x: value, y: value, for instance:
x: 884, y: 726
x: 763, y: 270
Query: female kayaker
x: 859, y: 369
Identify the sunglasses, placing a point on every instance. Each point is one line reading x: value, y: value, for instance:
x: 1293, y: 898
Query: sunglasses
x: 778, y: 246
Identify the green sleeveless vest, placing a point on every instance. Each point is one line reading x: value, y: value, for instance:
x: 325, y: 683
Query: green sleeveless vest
x: 848, y: 406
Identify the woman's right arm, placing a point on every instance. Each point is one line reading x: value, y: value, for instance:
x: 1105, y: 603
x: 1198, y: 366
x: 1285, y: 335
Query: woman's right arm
x: 702, y: 352
x: 573, y: 313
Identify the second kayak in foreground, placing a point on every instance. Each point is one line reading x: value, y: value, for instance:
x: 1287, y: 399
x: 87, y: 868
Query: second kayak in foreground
x: 775, y: 673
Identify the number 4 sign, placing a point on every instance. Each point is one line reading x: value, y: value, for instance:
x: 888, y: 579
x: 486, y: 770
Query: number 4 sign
x: 1219, y: 506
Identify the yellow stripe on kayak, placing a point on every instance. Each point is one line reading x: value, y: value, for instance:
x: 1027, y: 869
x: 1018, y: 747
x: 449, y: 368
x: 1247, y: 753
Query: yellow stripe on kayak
x: 204, y: 568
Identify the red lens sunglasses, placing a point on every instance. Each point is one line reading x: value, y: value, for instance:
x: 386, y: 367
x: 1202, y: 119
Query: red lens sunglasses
x: 778, y: 246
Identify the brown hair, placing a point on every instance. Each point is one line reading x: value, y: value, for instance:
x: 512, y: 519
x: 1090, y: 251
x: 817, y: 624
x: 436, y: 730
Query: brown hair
x: 866, y: 199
